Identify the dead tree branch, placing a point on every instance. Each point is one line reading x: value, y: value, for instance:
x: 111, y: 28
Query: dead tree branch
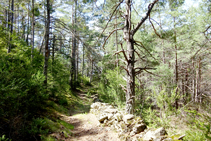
x: 154, y: 28
x: 124, y: 52
x: 144, y: 48
x: 151, y: 5
x: 109, y: 19
x: 110, y: 35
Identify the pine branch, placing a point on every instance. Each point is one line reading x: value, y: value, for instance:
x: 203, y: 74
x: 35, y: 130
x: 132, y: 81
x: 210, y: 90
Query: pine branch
x: 109, y: 20
x: 121, y: 60
x: 124, y: 52
x: 151, y: 5
x: 141, y: 70
x: 110, y: 35
x: 145, y: 68
x: 125, y: 69
x: 70, y: 30
x: 154, y: 27
x: 207, y: 28
x: 152, y: 73
x: 123, y: 88
x: 144, y: 48
x: 135, y: 10
x: 139, y: 56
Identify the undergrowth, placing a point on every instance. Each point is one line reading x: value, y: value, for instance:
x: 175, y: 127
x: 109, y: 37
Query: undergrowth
x: 28, y: 110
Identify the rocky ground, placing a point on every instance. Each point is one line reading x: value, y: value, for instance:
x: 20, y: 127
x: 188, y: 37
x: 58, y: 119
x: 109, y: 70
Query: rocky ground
x: 102, y: 122
x: 86, y: 125
x: 86, y: 128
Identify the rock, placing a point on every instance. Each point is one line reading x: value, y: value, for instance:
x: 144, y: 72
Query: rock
x: 96, y: 105
x: 118, y: 117
x: 102, y: 118
x: 140, y: 135
x: 156, y: 135
x: 105, y: 121
x: 160, y: 132
x: 112, y: 111
x: 129, y: 126
x: 110, y: 116
x: 110, y: 122
x: 139, y: 128
x: 122, y: 125
x: 127, y: 118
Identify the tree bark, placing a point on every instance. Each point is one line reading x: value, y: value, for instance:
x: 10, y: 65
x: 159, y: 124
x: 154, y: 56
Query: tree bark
x: 83, y: 65
x: 198, y: 81
x: 130, y: 94
x: 53, y: 48
x: 33, y: 23
x: 193, y: 82
x: 117, y: 64
x: 128, y: 37
x: 176, y: 64
x: 91, y: 74
x: 46, y: 44
x: 11, y: 25
x: 5, y: 17
x: 73, y: 59
x: 27, y: 36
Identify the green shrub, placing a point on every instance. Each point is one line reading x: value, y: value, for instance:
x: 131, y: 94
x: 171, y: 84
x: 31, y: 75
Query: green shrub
x: 3, y: 138
x: 84, y: 80
x: 199, y: 126
x: 110, y: 87
x: 163, y: 107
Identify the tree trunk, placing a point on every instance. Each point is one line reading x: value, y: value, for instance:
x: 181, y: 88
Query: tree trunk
x: 11, y: 25
x: 130, y: 57
x: 41, y: 46
x: 77, y: 59
x: 91, y: 75
x: 83, y: 62
x: 176, y: 65
x: 27, y: 36
x: 73, y: 60
x: 33, y: 23
x: 18, y: 13
x: 46, y: 44
x: 5, y: 17
x: 53, y: 48
x: 23, y: 26
x: 186, y: 96
x: 198, y: 81
x: 117, y: 64
x: 193, y: 82
x: 60, y: 44
x: 130, y: 94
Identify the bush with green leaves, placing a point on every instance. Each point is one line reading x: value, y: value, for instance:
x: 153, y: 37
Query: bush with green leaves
x: 58, y: 76
x: 110, y: 87
x: 200, y: 126
x: 162, y: 106
x: 84, y: 80
x: 22, y: 92
x: 3, y: 138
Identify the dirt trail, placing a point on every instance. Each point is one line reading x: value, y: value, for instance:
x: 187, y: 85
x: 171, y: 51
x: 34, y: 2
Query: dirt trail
x: 86, y: 125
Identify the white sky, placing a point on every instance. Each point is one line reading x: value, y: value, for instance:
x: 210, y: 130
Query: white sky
x: 194, y: 3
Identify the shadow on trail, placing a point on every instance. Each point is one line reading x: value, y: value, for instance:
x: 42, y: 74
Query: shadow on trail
x: 80, y: 109
x: 79, y: 131
x: 83, y: 104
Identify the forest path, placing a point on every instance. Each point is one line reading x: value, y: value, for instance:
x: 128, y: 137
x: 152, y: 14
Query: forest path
x: 86, y: 124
